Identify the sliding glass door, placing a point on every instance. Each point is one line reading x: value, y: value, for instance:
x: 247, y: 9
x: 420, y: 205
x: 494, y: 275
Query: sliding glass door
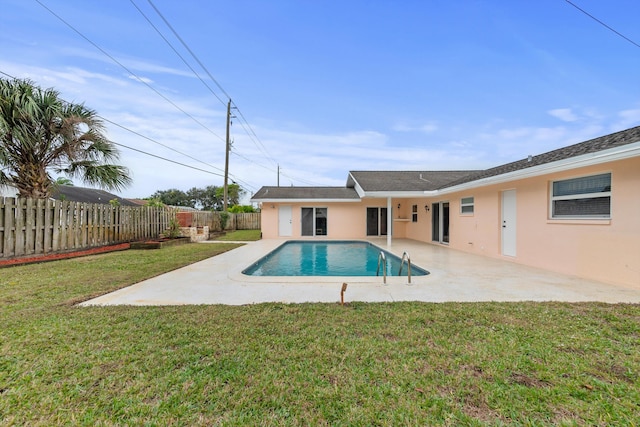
x: 376, y: 221
x: 314, y: 221
x: 440, y: 222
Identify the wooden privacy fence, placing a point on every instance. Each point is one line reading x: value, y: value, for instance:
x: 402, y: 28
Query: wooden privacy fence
x: 33, y: 226
x: 236, y: 221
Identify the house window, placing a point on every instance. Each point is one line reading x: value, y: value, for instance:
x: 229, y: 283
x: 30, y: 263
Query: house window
x: 314, y: 221
x: 414, y: 213
x: 585, y: 197
x: 466, y: 205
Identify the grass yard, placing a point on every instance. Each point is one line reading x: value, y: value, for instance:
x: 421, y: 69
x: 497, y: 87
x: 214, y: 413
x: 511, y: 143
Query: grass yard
x: 309, y: 364
x: 241, y: 236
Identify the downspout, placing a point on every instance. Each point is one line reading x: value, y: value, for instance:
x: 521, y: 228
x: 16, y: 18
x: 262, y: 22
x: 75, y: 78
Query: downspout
x: 389, y: 221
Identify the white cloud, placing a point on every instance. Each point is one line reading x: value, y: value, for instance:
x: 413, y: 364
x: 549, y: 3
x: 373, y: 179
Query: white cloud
x: 564, y: 114
x: 628, y: 118
x: 142, y: 79
x: 423, y: 128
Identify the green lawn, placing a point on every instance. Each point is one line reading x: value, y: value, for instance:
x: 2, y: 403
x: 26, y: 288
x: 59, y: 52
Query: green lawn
x: 309, y: 364
x: 241, y: 235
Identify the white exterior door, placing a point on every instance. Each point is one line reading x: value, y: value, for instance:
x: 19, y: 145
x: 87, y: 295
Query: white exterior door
x: 509, y: 223
x: 284, y: 221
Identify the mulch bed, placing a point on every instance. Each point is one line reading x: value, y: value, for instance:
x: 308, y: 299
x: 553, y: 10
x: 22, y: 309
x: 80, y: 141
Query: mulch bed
x: 65, y: 255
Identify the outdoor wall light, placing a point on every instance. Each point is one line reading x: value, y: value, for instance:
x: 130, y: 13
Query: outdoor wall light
x: 273, y: 206
x: 426, y: 208
x: 398, y: 205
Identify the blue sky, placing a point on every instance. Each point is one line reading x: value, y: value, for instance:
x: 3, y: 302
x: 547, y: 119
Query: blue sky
x: 324, y: 87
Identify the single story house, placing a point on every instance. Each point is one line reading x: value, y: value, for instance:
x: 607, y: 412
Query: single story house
x: 574, y: 210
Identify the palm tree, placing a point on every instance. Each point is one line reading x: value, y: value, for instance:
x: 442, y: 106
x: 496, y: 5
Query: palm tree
x: 61, y: 180
x: 40, y: 133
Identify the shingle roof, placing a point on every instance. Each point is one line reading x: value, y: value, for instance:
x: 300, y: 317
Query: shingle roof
x: 307, y: 193
x: 87, y: 195
x: 606, y: 142
x: 409, y: 181
x: 405, y: 180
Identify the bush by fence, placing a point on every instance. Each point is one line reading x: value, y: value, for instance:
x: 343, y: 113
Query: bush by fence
x: 33, y: 227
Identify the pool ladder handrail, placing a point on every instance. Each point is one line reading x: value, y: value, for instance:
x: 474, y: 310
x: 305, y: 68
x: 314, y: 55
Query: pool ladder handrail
x: 384, y: 266
x: 405, y: 255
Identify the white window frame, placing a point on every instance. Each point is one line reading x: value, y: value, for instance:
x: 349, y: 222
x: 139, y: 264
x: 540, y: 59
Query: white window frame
x: 467, y: 204
x: 579, y: 196
x: 314, y: 218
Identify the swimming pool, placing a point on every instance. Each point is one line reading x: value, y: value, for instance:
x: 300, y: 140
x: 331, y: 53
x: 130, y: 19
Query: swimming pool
x: 327, y: 258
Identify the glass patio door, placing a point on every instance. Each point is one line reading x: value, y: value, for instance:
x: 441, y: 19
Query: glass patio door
x: 440, y: 222
x: 376, y: 221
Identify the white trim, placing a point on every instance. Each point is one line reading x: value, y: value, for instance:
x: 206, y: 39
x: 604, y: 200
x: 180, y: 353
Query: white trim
x: 394, y: 194
x: 618, y: 153
x: 283, y: 200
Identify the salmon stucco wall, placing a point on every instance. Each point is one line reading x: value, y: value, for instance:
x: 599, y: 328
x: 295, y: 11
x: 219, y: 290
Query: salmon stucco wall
x: 344, y: 220
x: 605, y: 250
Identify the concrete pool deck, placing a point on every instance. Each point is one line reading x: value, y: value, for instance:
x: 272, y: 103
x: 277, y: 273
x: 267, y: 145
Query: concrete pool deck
x: 455, y: 276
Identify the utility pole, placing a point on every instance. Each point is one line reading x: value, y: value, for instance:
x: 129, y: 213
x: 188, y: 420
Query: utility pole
x: 226, y: 160
x: 278, y: 175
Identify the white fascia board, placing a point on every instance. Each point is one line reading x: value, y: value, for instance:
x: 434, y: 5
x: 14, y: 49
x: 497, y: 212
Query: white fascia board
x: 305, y: 200
x: 394, y: 194
x: 359, y: 190
x: 618, y: 153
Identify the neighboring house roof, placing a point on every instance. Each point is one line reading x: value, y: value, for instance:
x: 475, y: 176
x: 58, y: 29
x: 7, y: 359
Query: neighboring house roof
x: 266, y: 194
x: 86, y: 195
x: 616, y: 146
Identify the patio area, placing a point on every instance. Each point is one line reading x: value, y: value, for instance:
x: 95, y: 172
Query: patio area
x: 455, y: 276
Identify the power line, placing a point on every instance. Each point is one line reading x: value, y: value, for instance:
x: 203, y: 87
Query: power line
x: 167, y: 160
x: 176, y: 52
x: 127, y: 69
x: 603, y: 24
x: 256, y: 141
x: 159, y: 143
x: 175, y: 33
x: 251, y: 133
x: 251, y: 161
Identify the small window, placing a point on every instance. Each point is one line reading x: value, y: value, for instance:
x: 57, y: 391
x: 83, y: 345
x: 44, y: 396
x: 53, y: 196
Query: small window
x: 414, y: 213
x: 466, y: 205
x: 582, y: 198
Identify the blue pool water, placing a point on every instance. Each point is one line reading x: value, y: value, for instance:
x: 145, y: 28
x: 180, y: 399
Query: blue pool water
x: 327, y: 258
